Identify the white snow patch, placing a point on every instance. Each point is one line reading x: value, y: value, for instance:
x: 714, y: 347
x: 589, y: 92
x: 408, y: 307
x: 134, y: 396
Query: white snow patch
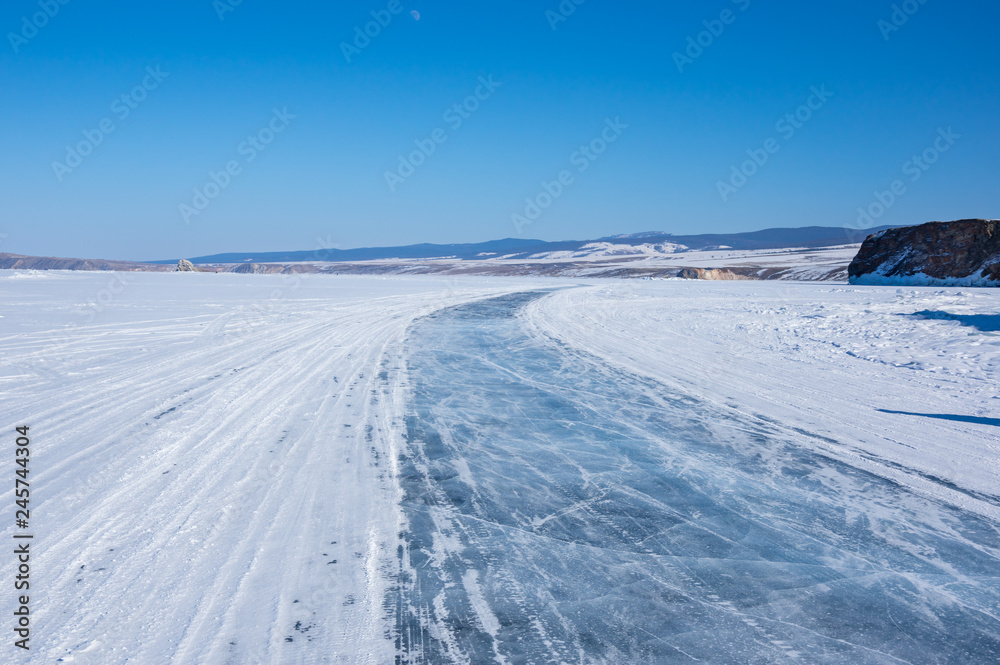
x: 489, y: 621
x: 24, y: 274
x: 597, y: 250
x: 976, y: 279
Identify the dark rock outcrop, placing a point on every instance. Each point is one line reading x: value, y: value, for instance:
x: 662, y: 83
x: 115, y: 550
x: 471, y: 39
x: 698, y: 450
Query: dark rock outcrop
x: 962, y: 253
x: 186, y: 266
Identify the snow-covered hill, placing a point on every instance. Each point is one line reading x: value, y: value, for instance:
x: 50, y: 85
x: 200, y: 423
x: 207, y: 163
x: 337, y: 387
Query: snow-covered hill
x: 600, y: 250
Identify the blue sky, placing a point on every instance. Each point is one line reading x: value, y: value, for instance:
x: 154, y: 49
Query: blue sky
x: 309, y: 130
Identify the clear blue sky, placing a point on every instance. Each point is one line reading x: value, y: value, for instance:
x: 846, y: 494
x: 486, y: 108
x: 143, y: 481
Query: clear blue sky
x: 323, y: 176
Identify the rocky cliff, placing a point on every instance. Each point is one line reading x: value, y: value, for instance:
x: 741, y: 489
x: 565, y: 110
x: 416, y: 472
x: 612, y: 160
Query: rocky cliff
x: 19, y: 262
x: 962, y: 253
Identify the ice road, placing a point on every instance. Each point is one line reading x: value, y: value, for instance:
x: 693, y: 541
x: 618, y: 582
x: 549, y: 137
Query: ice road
x: 560, y: 510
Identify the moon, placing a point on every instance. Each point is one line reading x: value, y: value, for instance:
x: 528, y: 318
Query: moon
x: 415, y: 14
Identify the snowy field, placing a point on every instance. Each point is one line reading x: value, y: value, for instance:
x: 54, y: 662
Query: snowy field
x: 270, y: 469
x: 793, y: 263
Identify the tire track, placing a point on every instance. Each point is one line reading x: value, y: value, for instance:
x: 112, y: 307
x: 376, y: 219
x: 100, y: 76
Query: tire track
x: 195, y: 488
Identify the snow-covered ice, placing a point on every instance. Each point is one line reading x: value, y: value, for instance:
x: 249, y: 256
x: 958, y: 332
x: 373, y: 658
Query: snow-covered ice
x: 610, y: 517
x: 903, y: 379
x: 212, y: 462
x: 267, y: 469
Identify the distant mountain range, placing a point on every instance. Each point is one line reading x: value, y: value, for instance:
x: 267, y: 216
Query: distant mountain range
x: 523, y: 248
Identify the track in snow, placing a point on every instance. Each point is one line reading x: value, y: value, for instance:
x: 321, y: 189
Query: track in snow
x: 211, y: 477
x: 560, y: 510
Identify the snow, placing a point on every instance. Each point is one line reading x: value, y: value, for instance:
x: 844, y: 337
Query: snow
x: 205, y: 446
x: 922, y: 279
x: 792, y: 264
x: 24, y: 274
x: 832, y: 360
x: 600, y: 250
x: 282, y: 469
x: 802, y: 259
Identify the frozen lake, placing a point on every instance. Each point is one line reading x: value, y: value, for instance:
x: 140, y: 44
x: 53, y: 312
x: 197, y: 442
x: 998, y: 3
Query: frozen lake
x: 562, y: 510
x: 630, y: 472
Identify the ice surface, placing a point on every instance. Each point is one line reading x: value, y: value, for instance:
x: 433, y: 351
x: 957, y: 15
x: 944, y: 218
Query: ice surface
x: 218, y: 471
x: 210, y: 471
x: 561, y: 510
x: 863, y: 367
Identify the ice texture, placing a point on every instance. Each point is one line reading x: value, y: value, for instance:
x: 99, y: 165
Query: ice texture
x: 558, y: 509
